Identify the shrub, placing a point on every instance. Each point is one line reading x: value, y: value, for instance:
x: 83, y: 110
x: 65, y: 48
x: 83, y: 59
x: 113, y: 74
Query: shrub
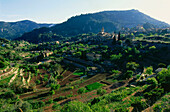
x: 38, y: 81
x: 149, y: 70
x: 115, y: 71
x: 52, y: 92
x: 60, y: 77
x: 56, y: 107
x: 157, y: 108
x: 2, y: 64
x: 46, y: 75
x: 76, y: 106
x: 100, y: 108
x: 45, y: 79
x: 138, y: 76
x: 128, y: 74
x: 153, y: 81
x: 50, y: 101
x: 132, y: 65
x: 26, y: 107
x: 101, y: 91
x: 152, y: 47
x: 81, y: 90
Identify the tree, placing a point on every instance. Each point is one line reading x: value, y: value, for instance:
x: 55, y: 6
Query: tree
x: 119, y: 36
x: 149, y: 70
x: 57, y: 68
x: 132, y: 65
x: 114, y: 40
x: 81, y: 90
x: 128, y: 41
x: 26, y: 107
x: 128, y: 74
x: 55, y: 86
x: 101, y: 91
x: 76, y: 106
x: 153, y: 82
x: 163, y: 78
x: 38, y: 81
x: 115, y: 57
x: 100, y: 108
x: 2, y: 64
x: 52, y: 92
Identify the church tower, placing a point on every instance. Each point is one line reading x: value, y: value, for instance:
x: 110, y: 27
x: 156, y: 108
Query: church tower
x: 102, y: 31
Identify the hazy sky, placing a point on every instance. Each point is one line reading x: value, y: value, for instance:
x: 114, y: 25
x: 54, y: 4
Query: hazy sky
x: 56, y: 11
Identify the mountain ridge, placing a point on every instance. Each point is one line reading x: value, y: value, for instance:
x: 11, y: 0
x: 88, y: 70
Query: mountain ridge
x: 112, y: 21
x: 12, y: 30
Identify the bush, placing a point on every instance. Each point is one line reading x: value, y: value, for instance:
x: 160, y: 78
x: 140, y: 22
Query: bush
x: 60, y: 77
x: 2, y: 64
x: 52, y: 92
x: 38, y: 81
x: 128, y: 74
x: 163, y: 78
x: 45, y: 79
x: 138, y: 76
x: 101, y: 91
x: 153, y: 81
x: 81, y: 90
x: 56, y: 107
x: 132, y: 65
x: 100, y: 108
x: 26, y: 107
x: 76, y: 106
x: 115, y: 71
x: 149, y: 70
x: 50, y: 101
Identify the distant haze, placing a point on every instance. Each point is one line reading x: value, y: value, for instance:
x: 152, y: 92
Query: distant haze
x: 57, y: 11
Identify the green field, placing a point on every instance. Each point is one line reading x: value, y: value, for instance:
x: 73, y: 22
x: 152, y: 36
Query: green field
x: 94, y: 86
x: 78, y: 73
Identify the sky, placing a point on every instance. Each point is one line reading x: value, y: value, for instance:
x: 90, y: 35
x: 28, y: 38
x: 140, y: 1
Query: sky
x: 57, y: 11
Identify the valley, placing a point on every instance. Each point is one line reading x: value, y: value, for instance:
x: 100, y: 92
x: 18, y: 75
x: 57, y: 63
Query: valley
x: 90, y: 63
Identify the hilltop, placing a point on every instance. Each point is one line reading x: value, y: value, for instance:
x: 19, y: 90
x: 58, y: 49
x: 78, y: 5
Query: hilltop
x: 11, y: 30
x: 112, y: 21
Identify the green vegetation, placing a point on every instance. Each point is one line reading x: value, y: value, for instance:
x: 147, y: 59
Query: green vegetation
x: 78, y: 73
x: 93, y: 86
x: 135, y: 74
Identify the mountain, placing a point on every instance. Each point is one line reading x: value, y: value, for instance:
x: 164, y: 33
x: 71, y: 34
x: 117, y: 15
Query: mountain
x: 11, y: 30
x: 111, y: 21
x: 148, y: 26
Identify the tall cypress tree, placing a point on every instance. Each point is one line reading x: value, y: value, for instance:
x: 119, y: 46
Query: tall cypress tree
x: 114, y: 39
x: 119, y: 36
